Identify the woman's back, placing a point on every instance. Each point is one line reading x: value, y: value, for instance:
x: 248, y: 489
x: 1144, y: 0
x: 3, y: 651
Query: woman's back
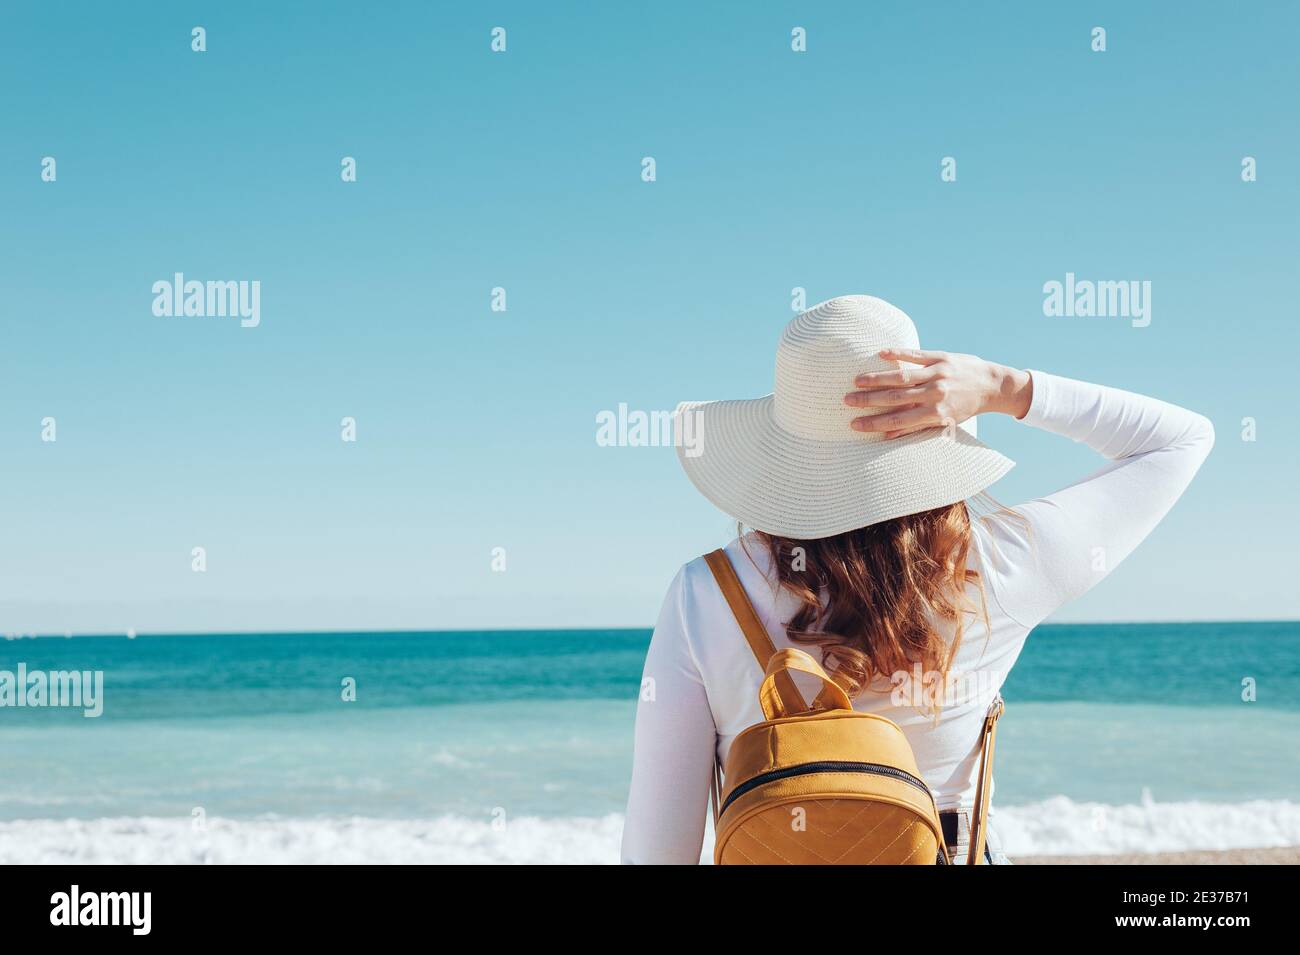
x: 700, y: 686
x: 944, y: 741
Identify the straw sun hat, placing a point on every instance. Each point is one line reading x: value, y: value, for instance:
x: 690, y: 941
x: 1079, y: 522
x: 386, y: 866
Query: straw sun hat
x: 790, y: 464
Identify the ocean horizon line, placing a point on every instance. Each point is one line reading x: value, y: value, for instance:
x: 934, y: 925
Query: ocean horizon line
x: 132, y: 634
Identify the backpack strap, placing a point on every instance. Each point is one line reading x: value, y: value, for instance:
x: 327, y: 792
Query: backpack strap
x: 755, y: 633
x: 983, y: 789
x: 763, y: 649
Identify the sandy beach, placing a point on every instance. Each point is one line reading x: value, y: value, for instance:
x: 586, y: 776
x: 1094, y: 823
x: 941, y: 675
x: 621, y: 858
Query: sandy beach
x: 1289, y: 855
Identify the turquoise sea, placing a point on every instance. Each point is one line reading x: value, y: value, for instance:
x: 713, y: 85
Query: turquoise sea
x: 516, y: 745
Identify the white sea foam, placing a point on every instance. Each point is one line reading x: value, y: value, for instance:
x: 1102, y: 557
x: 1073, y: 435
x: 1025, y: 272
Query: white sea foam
x: 1056, y: 826
x: 447, y: 839
x: 1060, y: 826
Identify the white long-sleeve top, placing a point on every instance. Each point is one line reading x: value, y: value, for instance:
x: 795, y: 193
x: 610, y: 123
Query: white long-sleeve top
x: 700, y: 684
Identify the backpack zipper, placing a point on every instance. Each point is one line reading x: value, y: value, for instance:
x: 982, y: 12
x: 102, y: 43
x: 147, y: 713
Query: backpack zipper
x: 833, y: 766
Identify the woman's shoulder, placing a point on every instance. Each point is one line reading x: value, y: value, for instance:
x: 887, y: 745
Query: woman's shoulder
x: 696, y: 588
x: 748, y: 557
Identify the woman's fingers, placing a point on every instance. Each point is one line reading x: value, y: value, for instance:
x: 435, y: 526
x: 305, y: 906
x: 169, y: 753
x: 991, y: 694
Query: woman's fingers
x: 916, y: 418
x: 914, y: 355
x: 890, y: 435
x: 913, y: 393
x: 887, y: 397
x: 894, y: 378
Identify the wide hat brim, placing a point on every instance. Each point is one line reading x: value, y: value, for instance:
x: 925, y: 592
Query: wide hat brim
x: 786, y: 485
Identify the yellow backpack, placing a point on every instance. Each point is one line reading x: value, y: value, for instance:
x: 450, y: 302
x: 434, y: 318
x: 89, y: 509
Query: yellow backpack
x: 825, y: 785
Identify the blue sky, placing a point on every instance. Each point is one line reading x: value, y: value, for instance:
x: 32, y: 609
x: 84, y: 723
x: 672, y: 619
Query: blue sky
x: 476, y: 429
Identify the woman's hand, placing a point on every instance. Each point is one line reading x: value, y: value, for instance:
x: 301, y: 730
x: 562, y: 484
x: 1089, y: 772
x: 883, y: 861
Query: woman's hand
x: 935, y: 389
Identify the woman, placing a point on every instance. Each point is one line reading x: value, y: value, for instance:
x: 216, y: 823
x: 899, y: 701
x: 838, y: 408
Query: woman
x: 854, y: 477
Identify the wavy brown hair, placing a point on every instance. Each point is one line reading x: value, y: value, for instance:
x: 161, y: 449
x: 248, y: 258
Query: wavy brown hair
x: 870, y: 598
